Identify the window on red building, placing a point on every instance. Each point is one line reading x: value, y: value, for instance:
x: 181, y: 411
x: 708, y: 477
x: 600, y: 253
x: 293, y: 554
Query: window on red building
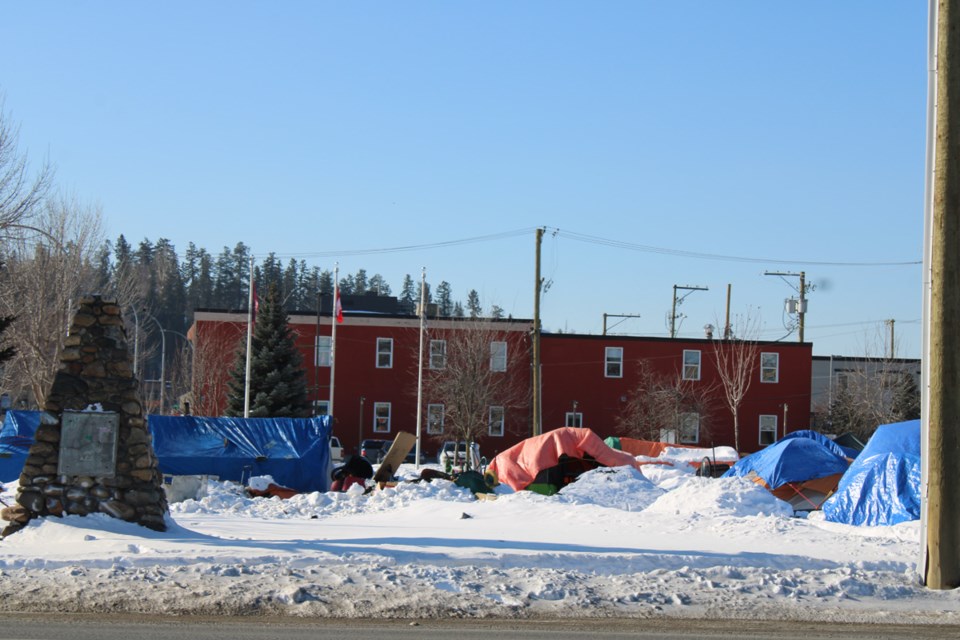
x: 384, y: 353
x: 496, y: 421
x: 768, y: 429
x: 573, y: 419
x: 321, y: 407
x: 498, y: 356
x: 613, y: 362
x: 691, y: 364
x: 689, y: 428
x: 434, y: 419
x: 438, y: 354
x: 322, y: 354
x: 381, y: 417
x: 769, y: 367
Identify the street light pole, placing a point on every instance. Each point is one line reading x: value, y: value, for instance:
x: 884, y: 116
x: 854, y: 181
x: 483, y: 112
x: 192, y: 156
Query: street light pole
x: 163, y: 360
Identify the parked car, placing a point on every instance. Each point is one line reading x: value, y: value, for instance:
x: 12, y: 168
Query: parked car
x: 375, y: 450
x: 336, y: 450
x: 456, y: 453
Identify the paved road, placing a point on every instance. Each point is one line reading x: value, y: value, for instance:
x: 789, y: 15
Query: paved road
x: 125, y: 627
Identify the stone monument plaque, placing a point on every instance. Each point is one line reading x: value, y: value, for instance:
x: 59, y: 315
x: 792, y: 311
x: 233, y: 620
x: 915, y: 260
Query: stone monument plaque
x: 88, y: 444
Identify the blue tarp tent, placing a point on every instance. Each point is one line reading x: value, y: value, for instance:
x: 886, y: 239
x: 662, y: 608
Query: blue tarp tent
x: 791, y: 459
x: 845, y: 452
x: 882, y: 486
x: 294, y: 451
x: 16, y: 436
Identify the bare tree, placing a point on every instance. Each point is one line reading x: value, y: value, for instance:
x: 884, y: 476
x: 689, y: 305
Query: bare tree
x: 736, y: 360
x: 19, y: 193
x: 213, y: 357
x: 873, y: 390
x: 467, y: 371
x: 660, y: 403
x: 40, y: 286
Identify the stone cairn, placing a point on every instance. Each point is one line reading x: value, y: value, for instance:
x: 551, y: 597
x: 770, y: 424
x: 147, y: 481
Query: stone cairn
x: 95, y: 376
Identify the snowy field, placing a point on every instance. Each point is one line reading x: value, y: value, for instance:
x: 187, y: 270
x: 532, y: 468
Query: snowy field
x: 662, y: 543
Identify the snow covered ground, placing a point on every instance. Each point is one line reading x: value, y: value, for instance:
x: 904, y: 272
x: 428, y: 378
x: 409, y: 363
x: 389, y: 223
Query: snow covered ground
x: 615, y: 543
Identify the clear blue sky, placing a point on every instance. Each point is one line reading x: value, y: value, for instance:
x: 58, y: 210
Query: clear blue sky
x: 788, y: 134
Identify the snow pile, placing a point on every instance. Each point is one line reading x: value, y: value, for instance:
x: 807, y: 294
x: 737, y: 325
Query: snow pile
x: 618, y: 488
x: 615, y: 543
x: 736, y: 497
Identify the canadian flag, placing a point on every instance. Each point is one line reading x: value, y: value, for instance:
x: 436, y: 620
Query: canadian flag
x: 338, y: 308
x: 256, y: 304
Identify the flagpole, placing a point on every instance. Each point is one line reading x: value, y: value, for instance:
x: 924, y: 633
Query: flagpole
x: 423, y: 280
x: 246, y: 377
x: 333, y: 337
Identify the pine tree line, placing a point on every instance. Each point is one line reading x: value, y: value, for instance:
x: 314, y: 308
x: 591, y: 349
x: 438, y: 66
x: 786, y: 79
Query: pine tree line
x: 171, y: 288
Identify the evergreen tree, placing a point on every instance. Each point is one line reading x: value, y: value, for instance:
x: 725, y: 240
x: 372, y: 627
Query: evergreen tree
x: 496, y: 312
x: 346, y: 286
x: 224, y: 282
x: 278, y: 385
x: 473, y: 304
x: 445, y: 299
x: 458, y: 310
x: 906, y: 399
x: 407, y: 292
x: 360, y: 282
x: 326, y: 283
x: 379, y: 286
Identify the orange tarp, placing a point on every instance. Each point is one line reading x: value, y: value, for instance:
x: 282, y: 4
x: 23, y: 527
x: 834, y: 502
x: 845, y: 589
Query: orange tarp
x: 519, y: 465
x: 647, y: 448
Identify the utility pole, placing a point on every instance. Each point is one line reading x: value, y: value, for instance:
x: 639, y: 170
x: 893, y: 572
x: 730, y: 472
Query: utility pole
x: 801, y: 309
x: 890, y: 350
x: 536, y: 337
x: 673, y: 312
x: 727, y: 332
x: 942, y: 502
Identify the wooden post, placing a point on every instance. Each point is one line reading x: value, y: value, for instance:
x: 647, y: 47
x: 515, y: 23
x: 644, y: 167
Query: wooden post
x: 943, y: 491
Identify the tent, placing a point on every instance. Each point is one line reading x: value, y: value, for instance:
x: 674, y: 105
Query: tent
x: 829, y: 443
x: 16, y: 436
x: 801, y: 470
x: 882, y: 486
x: 546, y: 463
x: 294, y: 451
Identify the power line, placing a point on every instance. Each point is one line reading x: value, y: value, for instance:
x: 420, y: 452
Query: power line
x: 630, y: 246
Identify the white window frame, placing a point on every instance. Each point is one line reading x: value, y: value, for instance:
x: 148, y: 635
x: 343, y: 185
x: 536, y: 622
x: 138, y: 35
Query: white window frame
x: 613, y: 357
x: 769, y: 372
x: 322, y: 351
x: 432, y: 422
x: 438, y: 354
x: 768, y: 425
x: 497, y: 421
x: 691, y: 370
x: 573, y: 419
x: 321, y: 407
x: 689, y: 421
x: 384, y: 356
x: 498, y: 356
x: 381, y: 417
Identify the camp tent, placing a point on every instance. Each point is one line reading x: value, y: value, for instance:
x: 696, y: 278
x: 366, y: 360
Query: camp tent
x: 546, y: 463
x: 294, y: 451
x: 16, y: 436
x: 709, y: 461
x: 800, y: 470
x: 882, y: 486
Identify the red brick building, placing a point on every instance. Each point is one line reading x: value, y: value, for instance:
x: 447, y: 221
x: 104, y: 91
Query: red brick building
x: 586, y: 380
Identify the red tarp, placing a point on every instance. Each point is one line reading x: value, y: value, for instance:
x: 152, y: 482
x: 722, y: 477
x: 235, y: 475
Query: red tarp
x: 519, y: 465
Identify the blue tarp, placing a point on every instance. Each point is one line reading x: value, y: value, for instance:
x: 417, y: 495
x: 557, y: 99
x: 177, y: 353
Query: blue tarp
x: 294, y: 451
x: 16, y: 436
x: 794, y: 459
x: 845, y: 452
x: 882, y: 486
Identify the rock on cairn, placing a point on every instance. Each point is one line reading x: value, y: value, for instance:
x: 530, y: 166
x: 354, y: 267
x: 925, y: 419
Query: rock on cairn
x: 92, y: 451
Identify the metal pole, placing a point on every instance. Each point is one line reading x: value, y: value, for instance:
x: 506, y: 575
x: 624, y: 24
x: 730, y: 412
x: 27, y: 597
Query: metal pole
x: 163, y: 360
x: 246, y: 381
x: 423, y: 292
x: 333, y: 333
x: 803, y: 302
